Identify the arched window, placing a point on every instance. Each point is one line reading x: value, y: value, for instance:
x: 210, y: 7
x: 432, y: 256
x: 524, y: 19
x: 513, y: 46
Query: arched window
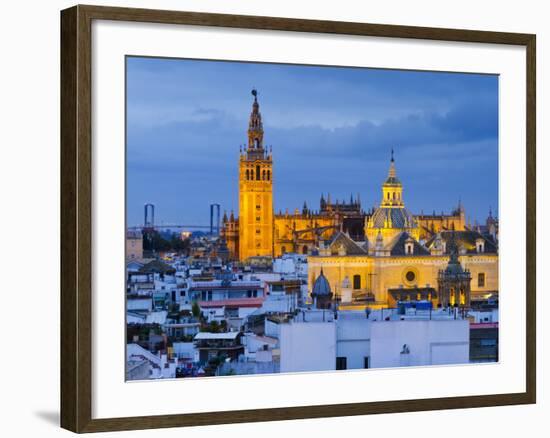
x: 388, y: 196
x: 258, y: 173
x: 247, y: 174
x: 268, y: 175
x: 251, y: 175
x: 357, y: 282
x: 263, y: 175
x: 394, y: 196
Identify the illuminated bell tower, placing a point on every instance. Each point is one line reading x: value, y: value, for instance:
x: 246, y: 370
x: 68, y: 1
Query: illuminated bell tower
x: 392, y: 189
x: 255, y: 191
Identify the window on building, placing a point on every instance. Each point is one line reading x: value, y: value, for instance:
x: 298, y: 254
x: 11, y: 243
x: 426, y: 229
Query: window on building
x: 283, y: 249
x: 268, y: 175
x: 258, y: 231
x: 357, y: 282
x: 341, y: 363
x: 263, y: 175
x: 481, y: 279
x: 257, y: 172
x: 257, y: 218
x: 304, y: 249
x: 247, y: 174
x: 366, y: 362
x: 488, y: 342
x: 258, y: 206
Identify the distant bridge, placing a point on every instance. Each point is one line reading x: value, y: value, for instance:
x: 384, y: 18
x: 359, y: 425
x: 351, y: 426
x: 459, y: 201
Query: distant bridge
x: 167, y: 226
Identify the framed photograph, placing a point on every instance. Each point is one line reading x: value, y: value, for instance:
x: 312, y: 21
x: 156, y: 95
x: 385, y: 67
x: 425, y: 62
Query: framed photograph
x: 269, y: 218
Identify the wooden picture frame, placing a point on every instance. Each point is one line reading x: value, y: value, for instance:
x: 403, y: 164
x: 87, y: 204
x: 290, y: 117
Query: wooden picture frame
x: 76, y: 217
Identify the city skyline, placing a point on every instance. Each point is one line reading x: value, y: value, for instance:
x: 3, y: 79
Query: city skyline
x: 331, y: 130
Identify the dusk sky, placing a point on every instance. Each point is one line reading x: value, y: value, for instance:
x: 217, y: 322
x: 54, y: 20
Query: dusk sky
x: 331, y: 129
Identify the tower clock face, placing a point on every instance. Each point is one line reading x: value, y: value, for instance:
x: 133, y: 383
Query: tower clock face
x: 410, y: 276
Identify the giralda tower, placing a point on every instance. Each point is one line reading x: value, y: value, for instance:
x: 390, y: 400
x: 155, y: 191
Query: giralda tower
x: 255, y: 191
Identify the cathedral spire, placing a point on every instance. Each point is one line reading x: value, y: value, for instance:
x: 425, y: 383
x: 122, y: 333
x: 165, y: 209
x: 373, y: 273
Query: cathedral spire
x: 453, y: 249
x: 391, y: 172
x: 255, y: 148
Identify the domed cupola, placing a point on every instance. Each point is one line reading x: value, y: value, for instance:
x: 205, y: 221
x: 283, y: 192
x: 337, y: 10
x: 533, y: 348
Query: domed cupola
x: 322, y: 293
x: 391, y: 217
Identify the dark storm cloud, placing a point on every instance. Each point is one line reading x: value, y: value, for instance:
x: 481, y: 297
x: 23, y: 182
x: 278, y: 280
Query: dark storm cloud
x: 331, y: 130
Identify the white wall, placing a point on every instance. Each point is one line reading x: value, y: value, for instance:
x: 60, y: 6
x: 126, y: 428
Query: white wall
x: 29, y: 176
x: 186, y: 350
x: 430, y: 342
x: 353, y: 338
x: 272, y: 329
x: 307, y: 346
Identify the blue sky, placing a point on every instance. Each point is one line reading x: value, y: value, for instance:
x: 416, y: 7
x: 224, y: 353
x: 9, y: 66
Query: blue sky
x: 331, y: 129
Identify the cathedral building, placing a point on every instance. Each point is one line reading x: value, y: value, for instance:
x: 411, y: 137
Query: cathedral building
x: 377, y: 257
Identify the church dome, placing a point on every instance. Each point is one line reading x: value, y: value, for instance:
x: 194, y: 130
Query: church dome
x: 392, y: 213
x: 384, y: 217
x: 321, y: 285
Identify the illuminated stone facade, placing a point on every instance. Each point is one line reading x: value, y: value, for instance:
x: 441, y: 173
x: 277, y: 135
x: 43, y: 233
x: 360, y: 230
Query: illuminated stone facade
x: 255, y: 192
x: 395, y: 263
x: 374, y: 258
